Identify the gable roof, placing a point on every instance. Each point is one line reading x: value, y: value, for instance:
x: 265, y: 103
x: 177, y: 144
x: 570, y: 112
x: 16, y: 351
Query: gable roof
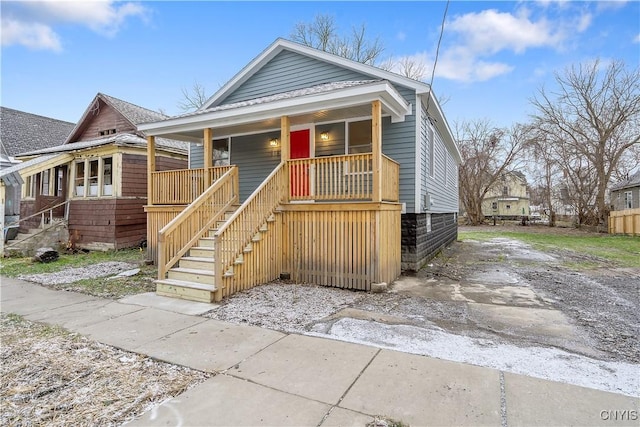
x: 632, y: 181
x: 281, y: 44
x: 422, y: 89
x: 134, y: 114
x: 21, y: 131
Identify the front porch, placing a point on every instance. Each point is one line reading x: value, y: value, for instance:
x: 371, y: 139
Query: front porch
x: 331, y: 220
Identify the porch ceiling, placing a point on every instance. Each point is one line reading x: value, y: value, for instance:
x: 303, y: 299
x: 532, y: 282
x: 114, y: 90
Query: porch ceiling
x: 336, y: 105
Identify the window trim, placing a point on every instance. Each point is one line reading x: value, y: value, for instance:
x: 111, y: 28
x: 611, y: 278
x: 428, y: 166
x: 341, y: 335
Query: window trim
x: 100, y: 186
x: 628, y: 199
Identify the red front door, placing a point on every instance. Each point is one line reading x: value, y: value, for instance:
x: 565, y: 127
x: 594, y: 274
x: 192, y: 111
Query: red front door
x: 299, y: 173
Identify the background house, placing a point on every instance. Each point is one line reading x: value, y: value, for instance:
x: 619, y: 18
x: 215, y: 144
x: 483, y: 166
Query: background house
x: 626, y: 193
x: 508, y: 197
x: 95, y: 182
x: 19, y: 132
x: 355, y: 143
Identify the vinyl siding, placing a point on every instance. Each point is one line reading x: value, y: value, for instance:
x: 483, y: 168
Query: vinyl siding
x: 290, y: 71
x: 255, y: 160
x: 443, y: 191
x: 399, y: 143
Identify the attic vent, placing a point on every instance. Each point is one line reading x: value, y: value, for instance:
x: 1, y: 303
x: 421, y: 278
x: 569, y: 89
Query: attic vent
x: 107, y: 132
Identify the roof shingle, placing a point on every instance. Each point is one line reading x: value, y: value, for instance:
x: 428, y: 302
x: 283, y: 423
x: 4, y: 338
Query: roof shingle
x: 21, y: 131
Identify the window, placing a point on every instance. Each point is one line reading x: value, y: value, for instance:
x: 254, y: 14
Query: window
x: 628, y: 200
x: 93, y: 177
x: 494, y: 206
x: 505, y: 191
x: 359, y: 137
x: 431, y: 154
x: 30, y: 187
x: 44, y: 184
x: 508, y: 207
x: 58, y: 189
x: 80, y: 179
x: 107, y: 184
x: 221, y: 152
x: 105, y: 132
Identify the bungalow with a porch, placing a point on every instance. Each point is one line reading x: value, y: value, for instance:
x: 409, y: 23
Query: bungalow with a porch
x: 304, y: 165
x: 95, y: 182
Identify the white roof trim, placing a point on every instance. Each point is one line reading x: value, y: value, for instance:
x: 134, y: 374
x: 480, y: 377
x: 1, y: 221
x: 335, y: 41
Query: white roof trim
x: 392, y: 103
x: 281, y: 44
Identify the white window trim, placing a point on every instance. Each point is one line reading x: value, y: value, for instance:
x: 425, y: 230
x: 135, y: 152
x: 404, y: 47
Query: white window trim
x: 628, y: 199
x: 100, y: 184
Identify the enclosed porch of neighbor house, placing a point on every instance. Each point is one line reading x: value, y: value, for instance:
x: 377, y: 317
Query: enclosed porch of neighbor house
x: 303, y: 192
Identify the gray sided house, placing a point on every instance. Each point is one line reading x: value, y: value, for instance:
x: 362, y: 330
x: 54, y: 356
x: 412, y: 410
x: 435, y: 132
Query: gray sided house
x: 626, y: 193
x: 353, y: 132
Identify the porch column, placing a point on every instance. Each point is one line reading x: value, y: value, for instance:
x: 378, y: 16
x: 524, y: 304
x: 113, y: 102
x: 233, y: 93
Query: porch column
x: 285, y: 138
x: 151, y: 167
x: 208, y: 155
x: 285, y: 151
x: 376, y: 149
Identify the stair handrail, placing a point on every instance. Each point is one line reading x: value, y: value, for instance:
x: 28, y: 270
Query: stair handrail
x: 36, y: 214
x: 181, y: 233
x: 237, y: 231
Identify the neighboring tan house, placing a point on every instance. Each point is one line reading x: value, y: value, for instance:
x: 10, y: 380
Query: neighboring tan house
x: 96, y: 179
x: 19, y: 132
x: 508, y: 198
x: 626, y: 193
x: 346, y: 174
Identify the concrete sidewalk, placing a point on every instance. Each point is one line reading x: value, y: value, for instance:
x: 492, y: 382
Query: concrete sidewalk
x: 265, y: 377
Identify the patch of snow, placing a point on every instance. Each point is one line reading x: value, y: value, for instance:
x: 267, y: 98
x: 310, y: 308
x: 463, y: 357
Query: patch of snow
x: 540, y: 362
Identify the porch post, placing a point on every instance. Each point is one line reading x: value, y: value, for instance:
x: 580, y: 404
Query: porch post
x: 151, y: 167
x: 208, y: 155
x: 376, y: 148
x: 285, y: 150
x: 285, y: 138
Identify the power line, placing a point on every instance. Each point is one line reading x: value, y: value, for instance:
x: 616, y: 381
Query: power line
x: 435, y: 61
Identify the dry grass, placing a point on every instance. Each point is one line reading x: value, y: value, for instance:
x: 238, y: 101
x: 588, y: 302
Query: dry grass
x: 51, y: 377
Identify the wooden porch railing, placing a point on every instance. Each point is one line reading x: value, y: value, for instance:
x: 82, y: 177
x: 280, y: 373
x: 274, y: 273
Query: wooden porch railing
x: 181, y: 186
x: 179, y: 235
x: 341, y: 178
x: 390, y: 180
x: 239, y: 230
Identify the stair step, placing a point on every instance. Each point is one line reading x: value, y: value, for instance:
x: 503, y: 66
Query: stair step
x: 185, y: 290
x: 206, y: 242
x: 192, y: 275
x: 197, y: 263
x: 202, y: 252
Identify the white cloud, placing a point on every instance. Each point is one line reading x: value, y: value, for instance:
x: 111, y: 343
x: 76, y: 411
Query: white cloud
x: 637, y: 39
x: 401, y: 36
x: 32, y: 23
x: 31, y: 35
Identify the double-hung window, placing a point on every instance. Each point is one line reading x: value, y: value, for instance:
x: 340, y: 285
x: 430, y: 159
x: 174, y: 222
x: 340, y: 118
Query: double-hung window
x: 94, y: 177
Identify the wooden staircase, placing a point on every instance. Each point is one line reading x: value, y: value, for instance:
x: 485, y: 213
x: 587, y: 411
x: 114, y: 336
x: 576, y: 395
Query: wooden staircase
x: 193, y: 277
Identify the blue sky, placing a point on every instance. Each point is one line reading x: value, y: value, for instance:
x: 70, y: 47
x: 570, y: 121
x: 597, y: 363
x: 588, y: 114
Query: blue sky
x: 494, y: 55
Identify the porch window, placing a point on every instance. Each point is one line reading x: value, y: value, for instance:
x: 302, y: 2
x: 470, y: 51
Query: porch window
x: 80, y: 179
x: 628, y: 200
x: 58, y: 189
x: 359, y: 137
x: 107, y: 183
x: 30, y: 187
x: 93, y: 177
x: 221, y: 152
x: 44, y: 185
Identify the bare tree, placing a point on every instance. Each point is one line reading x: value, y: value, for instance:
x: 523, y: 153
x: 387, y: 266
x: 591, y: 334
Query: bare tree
x: 322, y: 34
x: 592, y: 120
x: 193, y: 98
x: 487, y: 153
